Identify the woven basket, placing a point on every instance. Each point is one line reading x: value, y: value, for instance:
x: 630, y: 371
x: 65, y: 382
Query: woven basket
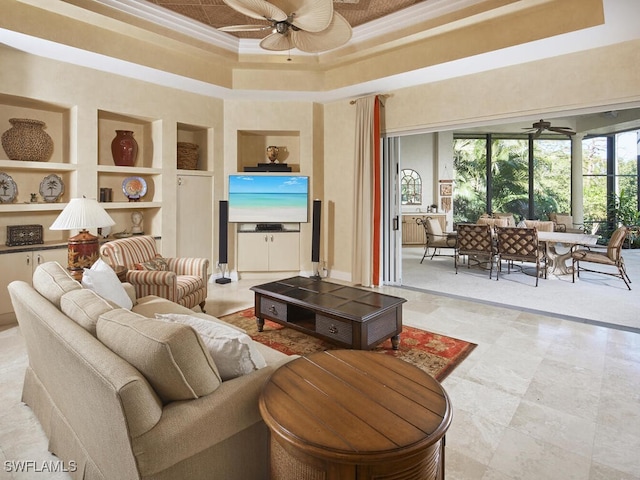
x: 187, y: 156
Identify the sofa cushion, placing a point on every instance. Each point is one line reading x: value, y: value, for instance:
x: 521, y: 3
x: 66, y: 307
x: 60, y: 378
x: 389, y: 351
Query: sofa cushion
x: 84, y: 307
x: 103, y: 280
x: 52, y: 281
x: 233, y: 351
x: 171, y: 356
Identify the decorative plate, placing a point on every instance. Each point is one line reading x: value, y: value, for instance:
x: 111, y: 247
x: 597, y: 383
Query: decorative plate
x: 134, y: 187
x: 51, y: 188
x: 8, y: 189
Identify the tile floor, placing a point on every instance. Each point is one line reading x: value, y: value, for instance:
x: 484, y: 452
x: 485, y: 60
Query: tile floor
x: 540, y: 398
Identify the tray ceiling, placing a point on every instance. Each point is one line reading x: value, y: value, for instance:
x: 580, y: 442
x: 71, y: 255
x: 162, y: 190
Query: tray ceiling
x: 216, y: 14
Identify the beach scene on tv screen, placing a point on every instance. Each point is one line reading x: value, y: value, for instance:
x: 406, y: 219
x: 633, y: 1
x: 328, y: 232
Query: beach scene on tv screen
x: 268, y: 199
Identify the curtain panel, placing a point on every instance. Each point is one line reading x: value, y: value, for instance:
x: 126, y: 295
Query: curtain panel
x: 367, y: 194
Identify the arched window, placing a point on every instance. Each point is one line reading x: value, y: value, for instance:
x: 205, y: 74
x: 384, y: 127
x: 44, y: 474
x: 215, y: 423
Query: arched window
x: 411, y: 187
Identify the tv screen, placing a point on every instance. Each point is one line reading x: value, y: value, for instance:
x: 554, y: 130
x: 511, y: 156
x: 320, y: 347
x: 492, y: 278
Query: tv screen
x: 268, y: 198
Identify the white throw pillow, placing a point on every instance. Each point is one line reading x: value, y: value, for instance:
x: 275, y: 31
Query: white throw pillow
x: 233, y: 352
x: 102, y: 279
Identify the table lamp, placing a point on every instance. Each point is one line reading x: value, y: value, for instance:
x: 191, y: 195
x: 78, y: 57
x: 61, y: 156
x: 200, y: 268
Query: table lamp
x: 84, y: 248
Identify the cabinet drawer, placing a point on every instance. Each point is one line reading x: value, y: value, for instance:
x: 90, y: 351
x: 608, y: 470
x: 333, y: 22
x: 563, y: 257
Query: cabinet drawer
x: 273, y: 309
x: 333, y: 328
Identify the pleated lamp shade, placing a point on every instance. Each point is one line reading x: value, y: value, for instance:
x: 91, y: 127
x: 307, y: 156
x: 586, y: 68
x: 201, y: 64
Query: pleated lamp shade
x: 84, y: 248
x: 82, y: 213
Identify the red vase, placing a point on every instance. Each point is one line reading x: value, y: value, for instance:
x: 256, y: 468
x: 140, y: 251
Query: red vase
x: 124, y: 148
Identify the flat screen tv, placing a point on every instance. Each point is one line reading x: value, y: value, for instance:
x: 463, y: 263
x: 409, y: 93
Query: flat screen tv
x: 268, y: 198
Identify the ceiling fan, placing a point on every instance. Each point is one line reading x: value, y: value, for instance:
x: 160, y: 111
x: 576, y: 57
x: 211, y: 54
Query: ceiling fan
x: 308, y: 25
x: 541, y: 126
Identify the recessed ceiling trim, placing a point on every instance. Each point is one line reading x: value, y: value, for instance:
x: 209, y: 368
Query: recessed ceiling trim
x: 174, y: 21
x: 418, y: 13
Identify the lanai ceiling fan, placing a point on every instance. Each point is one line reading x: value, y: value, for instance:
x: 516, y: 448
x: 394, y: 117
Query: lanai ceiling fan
x: 308, y: 25
x: 539, y: 127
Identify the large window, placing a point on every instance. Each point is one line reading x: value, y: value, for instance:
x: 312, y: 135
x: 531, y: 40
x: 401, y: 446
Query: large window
x: 610, y: 179
x: 525, y: 176
x: 470, y: 169
x: 531, y: 177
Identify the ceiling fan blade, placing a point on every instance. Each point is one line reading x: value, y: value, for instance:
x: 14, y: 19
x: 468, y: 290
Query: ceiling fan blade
x: 565, y: 130
x: 245, y: 28
x: 538, y: 133
x: 277, y: 42
x: 308, y: 15
x: 337, y: 34
x: 258, y: 9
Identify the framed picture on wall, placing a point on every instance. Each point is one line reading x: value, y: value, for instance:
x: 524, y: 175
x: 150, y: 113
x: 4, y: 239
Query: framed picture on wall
x: 445, y: 203
x: 446, y: 189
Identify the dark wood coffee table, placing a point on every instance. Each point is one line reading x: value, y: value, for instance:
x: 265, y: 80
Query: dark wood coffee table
x: 346, y: 316
x: 354, y: 415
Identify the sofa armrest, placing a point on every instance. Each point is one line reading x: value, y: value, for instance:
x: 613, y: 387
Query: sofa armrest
x: 189, y: 266
x: 154, y: 282
x: 151, y: 277
x: 195, y: 425
x: 131, y: 291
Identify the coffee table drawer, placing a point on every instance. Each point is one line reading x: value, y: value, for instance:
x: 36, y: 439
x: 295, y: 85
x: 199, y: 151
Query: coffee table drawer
x: 273, y: 308
x: 339, y: 330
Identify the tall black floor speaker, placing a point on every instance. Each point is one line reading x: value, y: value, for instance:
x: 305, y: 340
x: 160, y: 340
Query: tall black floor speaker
x: 315, y: 237
x: 223, y: 240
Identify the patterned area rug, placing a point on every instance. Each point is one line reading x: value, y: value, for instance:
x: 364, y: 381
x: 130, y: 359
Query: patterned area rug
x: 436, y: 354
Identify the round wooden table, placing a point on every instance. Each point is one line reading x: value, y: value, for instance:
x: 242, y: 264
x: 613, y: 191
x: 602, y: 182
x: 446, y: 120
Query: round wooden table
x: 351, y: 414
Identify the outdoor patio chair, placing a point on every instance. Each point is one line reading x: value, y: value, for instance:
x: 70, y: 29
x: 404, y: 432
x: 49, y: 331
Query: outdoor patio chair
x: 476, y: 242
x: 517, y: 244
x: 611, y: 257
x: 493, y: 222
x: 563, y: 222
x: 511, y: 221
x: 435, y: 238
x: 540, y: 225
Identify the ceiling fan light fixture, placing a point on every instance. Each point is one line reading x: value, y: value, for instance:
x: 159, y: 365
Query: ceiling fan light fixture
x: 308, y: 25
x: 281, y: 27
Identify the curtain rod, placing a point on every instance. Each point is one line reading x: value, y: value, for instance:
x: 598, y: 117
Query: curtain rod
x: 381, y: 95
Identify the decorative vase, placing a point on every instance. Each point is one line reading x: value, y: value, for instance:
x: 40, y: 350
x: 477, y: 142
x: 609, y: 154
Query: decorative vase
x: 272, y: 153
x: 26, y: 140
x: 124, y: 148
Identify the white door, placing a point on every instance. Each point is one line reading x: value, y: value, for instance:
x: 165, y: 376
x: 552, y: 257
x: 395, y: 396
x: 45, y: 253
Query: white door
x: 195, y: 217
x: 391, y: 219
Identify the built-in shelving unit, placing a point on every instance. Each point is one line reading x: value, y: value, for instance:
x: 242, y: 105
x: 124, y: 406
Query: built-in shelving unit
x: 29, y: 174
x: 252, y: 147
x: 277, y: 250
x: 148, y: 166
x: 82, y: 135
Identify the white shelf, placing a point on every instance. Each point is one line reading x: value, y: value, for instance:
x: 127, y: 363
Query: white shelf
x: 130, y: 205
x: 42, y: 166
x: 31, y: 207
x: 128, y: 171
x: 194, y: 173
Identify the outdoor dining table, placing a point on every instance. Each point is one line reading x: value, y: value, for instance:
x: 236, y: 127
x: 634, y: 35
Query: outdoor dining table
x: 557, y: 258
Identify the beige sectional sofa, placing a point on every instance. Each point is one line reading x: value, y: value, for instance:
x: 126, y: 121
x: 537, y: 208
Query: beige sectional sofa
x: 168, y: 417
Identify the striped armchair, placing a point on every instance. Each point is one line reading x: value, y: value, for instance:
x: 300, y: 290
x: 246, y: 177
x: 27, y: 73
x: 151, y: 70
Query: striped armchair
x: 181, y: 280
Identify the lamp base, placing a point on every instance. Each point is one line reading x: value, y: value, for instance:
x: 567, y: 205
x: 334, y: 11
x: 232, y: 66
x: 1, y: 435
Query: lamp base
x: 84, y: 251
